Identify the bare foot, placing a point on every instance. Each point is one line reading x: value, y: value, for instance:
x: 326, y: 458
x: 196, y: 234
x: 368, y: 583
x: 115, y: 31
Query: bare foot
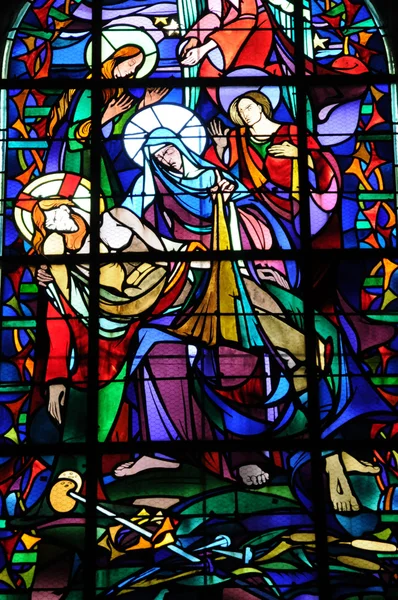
x: 341, y: 494
x: 253, y: 475
x: 142, y: 464
x: 352, y: 465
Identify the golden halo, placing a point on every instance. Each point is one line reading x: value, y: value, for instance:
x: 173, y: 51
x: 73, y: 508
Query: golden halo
x: 114, y: 38
x: 66, y: 185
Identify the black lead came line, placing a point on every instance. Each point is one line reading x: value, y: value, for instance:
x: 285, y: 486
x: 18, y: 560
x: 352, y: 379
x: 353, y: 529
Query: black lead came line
x: 293, y: 80
x: 92, y: 449
x: 314, y: 423
x: 183, y: 447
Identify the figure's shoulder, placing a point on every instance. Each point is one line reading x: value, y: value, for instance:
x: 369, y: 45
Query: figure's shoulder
x: 292, y: 128
x: 288, y: 132
x: 283, y: 133
x: 237, y: 133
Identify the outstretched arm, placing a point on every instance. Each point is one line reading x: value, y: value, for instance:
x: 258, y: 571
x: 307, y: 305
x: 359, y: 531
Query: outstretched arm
x: 128, y: 219
x: 195, y: 55
x: 210, y: 32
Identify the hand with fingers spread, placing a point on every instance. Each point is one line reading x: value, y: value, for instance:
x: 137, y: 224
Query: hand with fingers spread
x: 222, y: 186
x: 284, y: 150
x: 153, y: 95
x: 218, y: 132
x: 270, y: 274
x: 56, y: 399
x: 43, y: 276
x: 116, y: 107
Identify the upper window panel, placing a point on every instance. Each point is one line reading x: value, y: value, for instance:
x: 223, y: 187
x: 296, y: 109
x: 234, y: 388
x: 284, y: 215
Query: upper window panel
x: 49, y: 39
x: 347, y: 38
x: 205, y: 38
x: 195, y: 38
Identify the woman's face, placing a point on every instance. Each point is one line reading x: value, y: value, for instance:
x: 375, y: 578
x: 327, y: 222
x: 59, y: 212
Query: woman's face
x: 249, y: 111
x: 129, y: 66
x: 170, y: 157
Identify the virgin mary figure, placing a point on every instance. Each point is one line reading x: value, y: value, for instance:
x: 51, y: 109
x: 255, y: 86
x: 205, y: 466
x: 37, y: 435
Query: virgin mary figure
x: 231, y: 315
x: 227, y: 342
x: 188, y: 199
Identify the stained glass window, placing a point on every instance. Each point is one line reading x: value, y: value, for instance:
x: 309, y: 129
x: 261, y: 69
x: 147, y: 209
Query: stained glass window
x: 199, y: 300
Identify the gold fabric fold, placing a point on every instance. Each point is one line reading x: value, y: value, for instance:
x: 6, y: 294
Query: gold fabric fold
x: 214, y: 320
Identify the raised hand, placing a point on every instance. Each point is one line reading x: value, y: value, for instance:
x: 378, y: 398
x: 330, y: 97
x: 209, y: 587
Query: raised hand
x: 43, y: 276
x: 222, y: 186
x: 153, y: 95
x: 117, y: 106
x: 56, y: 399
x: 284, y: 150
x: 270, y: 274
x: 219, y: 132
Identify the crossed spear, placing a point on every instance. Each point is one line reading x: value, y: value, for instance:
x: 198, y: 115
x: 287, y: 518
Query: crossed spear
x: 64, y: 496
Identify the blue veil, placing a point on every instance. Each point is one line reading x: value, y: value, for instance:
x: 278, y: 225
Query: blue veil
x: 192, y: 188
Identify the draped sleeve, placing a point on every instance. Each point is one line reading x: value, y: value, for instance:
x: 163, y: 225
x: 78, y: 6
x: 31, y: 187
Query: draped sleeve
x: 232, y: 36
x: 324, y: 176
x: 60, y: 345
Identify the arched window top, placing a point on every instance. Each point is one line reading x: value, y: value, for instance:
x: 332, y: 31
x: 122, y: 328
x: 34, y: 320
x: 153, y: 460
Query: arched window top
x: 199, y: 297
x: 348, y: 36
x: 343, y: 37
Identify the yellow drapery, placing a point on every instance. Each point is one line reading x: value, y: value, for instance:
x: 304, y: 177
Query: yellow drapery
x: 215, y: 319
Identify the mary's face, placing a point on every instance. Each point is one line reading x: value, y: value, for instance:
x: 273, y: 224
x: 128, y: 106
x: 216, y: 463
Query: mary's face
x: 170, y: 157
x: 249, y: 111
x: 60, y: 219
x: 128, y: 67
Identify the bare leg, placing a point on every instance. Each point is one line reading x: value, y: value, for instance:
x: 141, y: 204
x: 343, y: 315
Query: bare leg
x: 352, y: 465
x: 142, y: 464
x: 341, y: 494
x: 253, y: 475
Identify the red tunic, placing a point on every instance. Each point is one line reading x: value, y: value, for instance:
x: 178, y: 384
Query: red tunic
x: 67, y: 331
x: 255, y: 171
x: 244, y: 38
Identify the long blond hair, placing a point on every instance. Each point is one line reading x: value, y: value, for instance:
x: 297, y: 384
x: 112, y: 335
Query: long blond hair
x: 257, y: 97
x: 60, y: 108
x: 74, y: 240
